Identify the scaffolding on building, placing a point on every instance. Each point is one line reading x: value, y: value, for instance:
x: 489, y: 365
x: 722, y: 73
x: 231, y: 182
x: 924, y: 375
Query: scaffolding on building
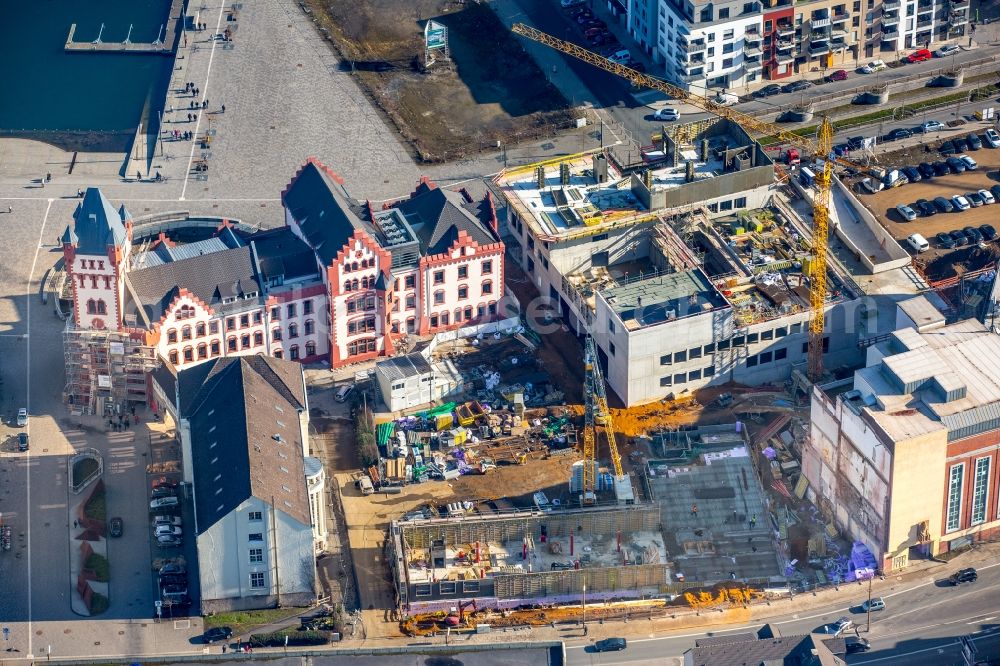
x: 105, y: 370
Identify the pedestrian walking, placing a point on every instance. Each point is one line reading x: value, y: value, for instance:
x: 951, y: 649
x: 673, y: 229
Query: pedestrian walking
x: 10, y: 209
x: 694, y: 509
x: 76, y: 523
x: 204, y: 104
x: 753, y: 522
x: 223, y: 108
x: 189, y: 117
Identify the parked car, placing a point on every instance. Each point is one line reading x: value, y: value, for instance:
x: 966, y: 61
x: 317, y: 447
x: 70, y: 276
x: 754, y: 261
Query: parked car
x: 898, y: 133
x: 172, y: 569
x: 767, y: 91
x: 995, y: 191
x: 918, y: 243
x: 960, y: 202
x: 988, y: 232
x: 970, y: 163
x: 912, y: 174
x: 960, y: 145
x: 583, y: 17
x: 116, y: 527
x: 223, y: 633
x: 163, y: 491
x: 839, y: 75
x: 947, y: 50
x: 610, y: 645
x: 856, y: 142
x: 873, y: 604
x: 874, y: 66
x: 22, y: 442
x: 667, y: 114
x: 960, y: 239
x: 169, y: 542
x: 947, y: 148
x: 168, y: 530
x: 987, y: 197
x: 945, y: 241
x: 926, y: 170
x: 872, y: 185
x: 919, y: 56
x: 973, y: 235
x: 925, y: 207
x: 974, y: 199
x: 167, y: 520
x: 932, y: 126
x: 797, y: 86
x: 836, y: 627
x: 968, y: 575
x: 343, y: 392
x: 22, y: 417
x: 905, y: 212
x: 992, y: 138
x: 856, y: 644
x: 956, y: 165
x: 164, y: 503
x: 975, y: 143
x: 941, y: 169
x: 943, y: 205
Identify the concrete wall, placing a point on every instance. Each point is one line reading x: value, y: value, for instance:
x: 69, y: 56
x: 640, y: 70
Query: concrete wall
x: 918, y: 494
x: 898, y: 257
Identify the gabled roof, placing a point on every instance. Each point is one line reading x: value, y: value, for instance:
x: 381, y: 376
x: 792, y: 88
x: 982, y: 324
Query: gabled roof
x: 281, y: 253
x: 747, y: 650
x: 209, y: 277
x: 98, y: 224
x: 438, y: 215
x: 325, y: 213
x: 245, y: 437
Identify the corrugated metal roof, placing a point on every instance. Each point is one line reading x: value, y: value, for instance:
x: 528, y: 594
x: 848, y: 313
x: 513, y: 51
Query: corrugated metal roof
x: 189, y: 250
x: 401, y: 367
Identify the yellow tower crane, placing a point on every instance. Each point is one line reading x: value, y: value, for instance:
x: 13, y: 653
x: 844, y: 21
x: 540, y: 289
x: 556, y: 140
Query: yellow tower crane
x: 821, y: 149
x: 595, y: 413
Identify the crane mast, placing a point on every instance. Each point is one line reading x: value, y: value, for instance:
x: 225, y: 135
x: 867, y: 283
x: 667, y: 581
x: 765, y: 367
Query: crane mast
x: 820, y: 149
x: 596, y: 412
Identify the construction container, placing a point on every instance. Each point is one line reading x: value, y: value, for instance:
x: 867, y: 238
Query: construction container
x: 464, y: 415
x: 444, y: 421
x: 806, y: 177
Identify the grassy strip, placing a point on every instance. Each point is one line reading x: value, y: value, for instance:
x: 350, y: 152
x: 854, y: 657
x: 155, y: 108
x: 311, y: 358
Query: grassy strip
x: 99, y: 564
x: 243, y: 621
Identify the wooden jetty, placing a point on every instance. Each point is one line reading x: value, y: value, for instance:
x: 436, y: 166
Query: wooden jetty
x: 162, y: 47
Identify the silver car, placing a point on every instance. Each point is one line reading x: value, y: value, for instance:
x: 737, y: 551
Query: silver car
x: 906, y: 212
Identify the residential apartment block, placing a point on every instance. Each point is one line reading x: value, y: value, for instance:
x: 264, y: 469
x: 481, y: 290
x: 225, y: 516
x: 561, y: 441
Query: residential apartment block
x: 731, y: 44
x: 904, y: 456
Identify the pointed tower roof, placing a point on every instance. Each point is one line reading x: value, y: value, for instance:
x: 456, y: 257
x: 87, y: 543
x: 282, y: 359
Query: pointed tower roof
x: 69, y: 236
x: 98, y: 225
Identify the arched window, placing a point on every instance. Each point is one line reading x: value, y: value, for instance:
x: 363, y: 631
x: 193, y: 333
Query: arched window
x: 487, y: 287
x: 364, y: 282
x: 468, y: 312
x: 354, y: 284
x: 458, y: 315
x: 231, y: 344
x: 202, y: 351
x: 188, y: 354
x: 215, y: 347
x: 172, y: 356
x: 310, y: 349
x: 293, y: 353
x: 258, y: 339
x: 411, y: 325
x: 199, y: 330
x: 354, y: 265
x: 102, y: 309
x: 172, y: 335
x: 293, y: 331
x: 445, y: 318
x: 310, y: 327
x: 186, y: 333
x: 347, y: 285
x: 278, y: 353
x: 91, y: 306
x: 276, y: 335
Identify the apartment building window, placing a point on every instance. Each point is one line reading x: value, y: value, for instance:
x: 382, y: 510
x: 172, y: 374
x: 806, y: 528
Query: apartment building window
x: 727, y: 47
x: 749, y: 7
x: 463, y: 292
x: 740, y: 202
x: 709, y: 348
x: 231, y: 324
x: 531, y: 265
x: 172, y: 336
x: 276, y: 313
x: 711, y: 54
x: 666, y: 381
x: 231, y: 344
x: 307, y: 307
x: 254, y: 515
x: 291, y: 310
x: 438, y: 277
x: 681, y: 356
x: 213, y: 327
x: 276, y: 335
x: 694, y: 352
x: 463, y: 272
x: 980, y: 490
x: 694, y: 375
x: 765, y: 357
x: 256, y: 555
x: 245, y: 341
x: 172, y: 356
x: 186, y: 333
x: 724, y: 13
x: 215, y: 348
x: 751, y: 361
x: 244, y: 320
x: 487, y: 267
x: 752, y: 338
x: 680, y: 377
x: 293, y: 331
x: 767, y: 335
x: 410, y: 282
x: 487, y: 287
x: 202, y: 351
x: 726, y: 205
x: 256, y: 536
x: 667, y: 359
x: 188, y: 354
x: 780, y: 354
x: 310, y: 327
x: 258, y: 339
x: 257, y: 580
x: 728, y: 34
x: 954, y: 513
x: 706, y: 15
x: 709, y: 371
x: 439, y: 297
x: 293, y: 353
x: 411, y: 301
x: 768, y: 26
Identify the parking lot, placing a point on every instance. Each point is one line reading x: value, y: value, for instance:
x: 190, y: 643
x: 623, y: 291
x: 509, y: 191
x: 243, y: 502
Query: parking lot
x: 883, y: 203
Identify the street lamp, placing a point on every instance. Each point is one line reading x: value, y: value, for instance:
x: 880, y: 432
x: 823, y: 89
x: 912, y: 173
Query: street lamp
x: 868, y: 621
x: 584, y: 609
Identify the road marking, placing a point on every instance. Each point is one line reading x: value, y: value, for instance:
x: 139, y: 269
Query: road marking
x: 938, y: 648
x: 27, y: 402
x: 985, y: 619
x: 197, y: 123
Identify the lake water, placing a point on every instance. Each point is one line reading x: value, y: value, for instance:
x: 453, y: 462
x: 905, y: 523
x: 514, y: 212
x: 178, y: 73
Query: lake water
x: 61, y: 96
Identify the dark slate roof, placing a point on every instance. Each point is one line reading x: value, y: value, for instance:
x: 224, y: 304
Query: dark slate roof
x: 438, y: 215
x: 166, y: 376
x: 98, y: 224
x: 243, y: 413
x: 210, y: 277
x: 788, y: 650
x: 324, y: 211
x: 281, y: 252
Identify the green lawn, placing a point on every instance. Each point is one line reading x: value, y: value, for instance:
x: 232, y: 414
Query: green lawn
x: 243, y: 621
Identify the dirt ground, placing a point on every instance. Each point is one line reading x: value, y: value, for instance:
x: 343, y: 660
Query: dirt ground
x: 490, y: 91
x: 883, y: 204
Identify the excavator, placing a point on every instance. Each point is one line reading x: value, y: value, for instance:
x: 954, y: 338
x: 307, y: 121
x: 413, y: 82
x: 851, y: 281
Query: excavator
x: 456, y: 618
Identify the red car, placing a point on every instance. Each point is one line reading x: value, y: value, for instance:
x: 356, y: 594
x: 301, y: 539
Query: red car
x: 919, y: 56
x: 839, y: 75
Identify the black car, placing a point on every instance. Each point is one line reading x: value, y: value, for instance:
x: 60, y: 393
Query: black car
x: 925, y: 207
x: 610, y: 645
x: 945, y: 241
x: 163, y: 491
x: 960, y: 145
x: 767, y: 91
x: 973, y: 234
x: 217, y: 634
x: 964, y: 576
x: 995, y: 191
x: 22, y: 441
x: 959, y: 238
x: 856, y: 644
x: 926, y: 170
x: 956, y: 165
x: 856, y: 142
x: 988, y: 232
x: 975, y: 143
x: 943, y: 205
x: 116, y: 527
x: 975, y: 199
x: 797, y: 86
x: 912, y: 174
x: 941, y: 169
x: 948, y: 148
x: 898, y: 133
x: 173, y: 580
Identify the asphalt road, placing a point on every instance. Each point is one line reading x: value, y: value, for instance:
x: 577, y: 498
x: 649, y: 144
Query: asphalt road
x: 921, y: 625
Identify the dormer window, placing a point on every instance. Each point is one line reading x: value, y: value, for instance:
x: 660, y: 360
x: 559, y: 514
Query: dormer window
x: 252, y: 294
x: 228, y: 299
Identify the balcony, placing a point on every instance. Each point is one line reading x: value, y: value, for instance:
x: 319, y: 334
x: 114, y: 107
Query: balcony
x: 838, y: 45
x: 891, y: 5
x: 753, y: 65
x: 784, y: 58
x: 960, y: 19
x: 818, y: 23
x: 695, y: 60
x: 840, y: 17
x: 818, y: 50
x: 785, y: 29
x: 692, y: 77
x: 959, y: 4
x: 890, y: 18
x: 924, y: 23
x: 752, y: 38
x: 751, y: 51
x: 923, y: 9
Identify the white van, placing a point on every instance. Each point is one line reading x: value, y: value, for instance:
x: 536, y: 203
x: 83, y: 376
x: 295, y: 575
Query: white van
x: 918, y: 243
x: 621, y: 57
x: 725, y: 99
x: 343, y: 392
x: 365, y: 484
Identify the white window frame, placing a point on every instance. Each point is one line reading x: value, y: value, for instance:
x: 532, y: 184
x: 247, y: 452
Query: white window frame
x: 255, y: 576
x: 980, y: 491
x: 256, y: 555
x: 953, y: 513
